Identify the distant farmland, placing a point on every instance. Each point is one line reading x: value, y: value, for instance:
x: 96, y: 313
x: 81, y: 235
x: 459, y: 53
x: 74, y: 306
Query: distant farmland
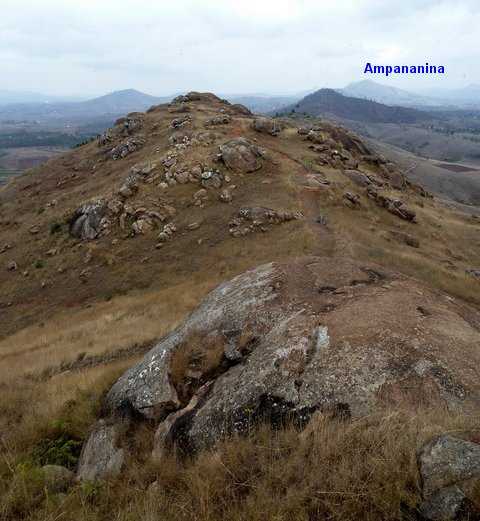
x: 6, y: 174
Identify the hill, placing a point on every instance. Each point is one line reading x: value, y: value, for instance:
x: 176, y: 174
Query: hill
x: 113, y: 104
x: 329, y: 103
x: 202, y: 307
x: 371, y: 90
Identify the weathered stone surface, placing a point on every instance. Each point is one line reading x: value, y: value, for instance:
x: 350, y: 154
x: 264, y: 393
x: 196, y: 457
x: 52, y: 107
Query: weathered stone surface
x: 358, y: 178
x: 241, y: 155
x: 101, y: 457
x: 446, y: 461
x: 57, y: 478
x: 86, y: 222
x: 291, y: 347
x: 448, y: 504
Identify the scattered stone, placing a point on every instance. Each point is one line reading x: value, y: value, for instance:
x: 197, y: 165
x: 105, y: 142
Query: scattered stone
x: 128, y: 147
x: 193, y: 226
x: 405, y: 238
x: 224, y: 119
x: 225, y: 196
x: 394, y: 206
x: 211, y: 179
x: 34, y: 229
x: 12, y: 266
x: 351, y: 200
x: 251, y: 219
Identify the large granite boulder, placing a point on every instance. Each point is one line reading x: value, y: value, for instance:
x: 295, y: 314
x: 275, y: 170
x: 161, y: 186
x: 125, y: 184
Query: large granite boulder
x: 240, y: 155
x: 284, y: 340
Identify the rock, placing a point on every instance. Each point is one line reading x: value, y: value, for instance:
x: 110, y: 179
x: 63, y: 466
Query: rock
x: 101, y: 456
x: 57, y: 478
x: 193, y: 226
x: 12, y: 266
x: 34, y: 229
x: 358, y: 178
x: 405, y: 238
x: 352, y: 200
x: 446, y: 460
x: 224, y: 119
x: 285, y: 349
x: 127, y: 147
x: 240, y: 155
x: 473, y: 272
x: 447, y: 467
x: 394, y: 206
x: 267, y: 126
x: 448, y: 504
x: 181, y: 122
x: 86, y: 222
x: 225, y: 196
x: 142, y: 226
x: 211, y: 179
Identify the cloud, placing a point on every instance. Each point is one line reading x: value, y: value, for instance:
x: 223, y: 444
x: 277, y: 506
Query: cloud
x: 89, y: 47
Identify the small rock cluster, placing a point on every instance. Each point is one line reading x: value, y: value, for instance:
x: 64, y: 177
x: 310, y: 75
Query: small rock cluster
x: 252, y: 219
x: 127, y: 147
x: 394, y: 206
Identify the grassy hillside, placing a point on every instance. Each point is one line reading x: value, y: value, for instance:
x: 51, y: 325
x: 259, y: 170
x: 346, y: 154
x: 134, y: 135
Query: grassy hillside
x: 76, y: 313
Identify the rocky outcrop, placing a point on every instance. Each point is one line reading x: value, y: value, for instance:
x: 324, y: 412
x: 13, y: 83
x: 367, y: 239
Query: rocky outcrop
x: 281, y: 341
x: 240, y: 155
x: 448, y: 465
x: 251, y: 219
x: 87, y: 221
x: 394, y: 206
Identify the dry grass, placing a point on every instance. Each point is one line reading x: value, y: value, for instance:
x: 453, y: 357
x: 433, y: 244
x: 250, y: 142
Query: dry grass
x: 100, y: 328
x: 336, y: 470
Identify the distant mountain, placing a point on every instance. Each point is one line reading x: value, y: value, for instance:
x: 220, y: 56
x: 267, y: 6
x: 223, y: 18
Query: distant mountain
x: 8, y: 97
x: 330, y: 103
x: 385, y: 94
x: 119, y: 102
x: 111, y: 105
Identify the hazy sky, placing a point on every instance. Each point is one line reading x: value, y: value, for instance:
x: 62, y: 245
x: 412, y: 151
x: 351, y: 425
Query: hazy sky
x: 89, y: 47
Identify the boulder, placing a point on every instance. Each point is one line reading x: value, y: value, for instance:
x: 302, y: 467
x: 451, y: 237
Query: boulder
x: 86, y: 222
x: 448, y: 465
x: 267, y: 126
x: 57, y: 478
x: 273, y: 345
x: 447, y: 460
x: 357, y: 177
x: 240, y: 155
x: 101, y: 456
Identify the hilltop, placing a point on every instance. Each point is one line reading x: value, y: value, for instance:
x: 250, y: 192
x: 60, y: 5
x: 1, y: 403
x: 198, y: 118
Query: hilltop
x: 330, y: 103
x: 202, y: 304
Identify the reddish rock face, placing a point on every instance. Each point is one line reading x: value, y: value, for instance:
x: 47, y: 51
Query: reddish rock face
x: 284, y: 340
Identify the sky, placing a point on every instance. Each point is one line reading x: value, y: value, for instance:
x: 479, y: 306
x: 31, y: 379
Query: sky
x: 90, y: 47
